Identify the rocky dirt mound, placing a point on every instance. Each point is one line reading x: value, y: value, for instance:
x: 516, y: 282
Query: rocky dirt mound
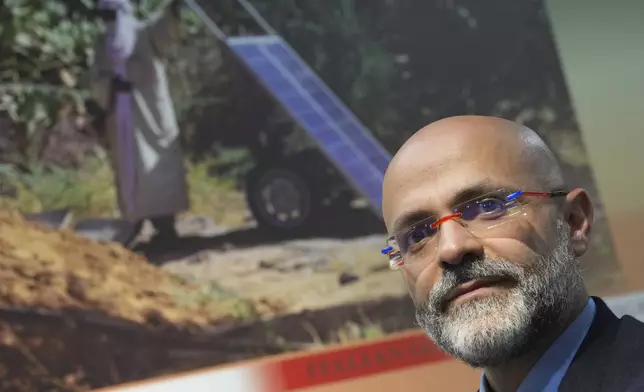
x: 57, y: 270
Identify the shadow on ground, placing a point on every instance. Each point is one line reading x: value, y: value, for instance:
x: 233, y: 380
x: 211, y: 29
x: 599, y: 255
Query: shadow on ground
x: 334, y: 223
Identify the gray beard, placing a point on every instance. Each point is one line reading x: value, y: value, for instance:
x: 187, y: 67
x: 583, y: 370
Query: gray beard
x: 489, y: 331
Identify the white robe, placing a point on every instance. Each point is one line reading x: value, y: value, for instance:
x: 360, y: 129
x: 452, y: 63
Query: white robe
x: 150, y: 163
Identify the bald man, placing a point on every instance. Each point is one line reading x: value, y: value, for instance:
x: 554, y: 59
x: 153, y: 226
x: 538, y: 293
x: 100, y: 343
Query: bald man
x: 487, y: 236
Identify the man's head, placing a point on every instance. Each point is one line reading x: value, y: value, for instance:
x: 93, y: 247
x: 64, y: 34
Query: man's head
x: 107, y: 10
x: 520, y: 252
x: 121, y: 28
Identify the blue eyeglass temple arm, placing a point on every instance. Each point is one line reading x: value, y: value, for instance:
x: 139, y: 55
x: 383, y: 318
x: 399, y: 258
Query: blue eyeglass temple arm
x: 514, y: 195
x: 517, y: 194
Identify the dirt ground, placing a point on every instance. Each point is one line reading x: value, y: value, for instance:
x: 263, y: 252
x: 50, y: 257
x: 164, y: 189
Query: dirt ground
x: 57, y: 270
x: 306, y: 274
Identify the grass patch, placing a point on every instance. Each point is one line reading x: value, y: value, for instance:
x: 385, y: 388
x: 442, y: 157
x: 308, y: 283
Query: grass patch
x: 89, y: 191
x: 216, y: 196
x: 210, y: 294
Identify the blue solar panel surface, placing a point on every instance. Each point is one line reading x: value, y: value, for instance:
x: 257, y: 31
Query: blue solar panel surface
x: 346, y: 141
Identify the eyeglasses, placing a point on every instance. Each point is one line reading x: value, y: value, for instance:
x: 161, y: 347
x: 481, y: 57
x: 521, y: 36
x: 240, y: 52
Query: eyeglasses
x: 478, y: 216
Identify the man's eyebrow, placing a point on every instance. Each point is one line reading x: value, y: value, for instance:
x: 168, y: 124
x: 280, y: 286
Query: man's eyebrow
x: 473, y: 191
x: 409, y: 218
x: 465, y: 194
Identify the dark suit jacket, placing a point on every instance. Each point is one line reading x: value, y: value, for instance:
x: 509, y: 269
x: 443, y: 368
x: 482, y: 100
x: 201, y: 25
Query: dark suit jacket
x: 611, y: 357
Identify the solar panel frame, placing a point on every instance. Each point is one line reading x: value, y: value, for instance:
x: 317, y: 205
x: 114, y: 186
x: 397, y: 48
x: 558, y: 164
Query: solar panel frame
x: 376, y: 157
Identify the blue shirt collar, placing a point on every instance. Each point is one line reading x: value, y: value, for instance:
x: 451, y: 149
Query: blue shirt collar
x: 547, y: 373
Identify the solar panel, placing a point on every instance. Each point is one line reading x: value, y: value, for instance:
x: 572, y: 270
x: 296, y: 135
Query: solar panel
x: 345, y: 140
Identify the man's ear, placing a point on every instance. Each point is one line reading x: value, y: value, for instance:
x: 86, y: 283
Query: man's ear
x: 579, y: 215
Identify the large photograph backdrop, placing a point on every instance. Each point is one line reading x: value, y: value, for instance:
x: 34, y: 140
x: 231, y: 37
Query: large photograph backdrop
x: 279, y: 250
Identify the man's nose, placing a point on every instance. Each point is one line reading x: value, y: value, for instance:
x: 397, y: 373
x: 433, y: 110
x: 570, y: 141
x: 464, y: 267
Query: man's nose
x: 455, y: 242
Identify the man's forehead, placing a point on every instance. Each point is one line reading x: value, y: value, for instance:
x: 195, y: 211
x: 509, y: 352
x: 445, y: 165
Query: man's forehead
x: 436, y: 161
x: 438, y: 166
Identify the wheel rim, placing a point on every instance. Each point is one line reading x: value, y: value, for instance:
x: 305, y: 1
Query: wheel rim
x: 283, y: 199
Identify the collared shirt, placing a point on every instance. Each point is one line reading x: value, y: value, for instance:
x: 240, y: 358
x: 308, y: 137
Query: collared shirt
x: 547, y: 373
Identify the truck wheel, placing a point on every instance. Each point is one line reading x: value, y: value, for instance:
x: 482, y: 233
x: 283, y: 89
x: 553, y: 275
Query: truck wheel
x: 279, y: 198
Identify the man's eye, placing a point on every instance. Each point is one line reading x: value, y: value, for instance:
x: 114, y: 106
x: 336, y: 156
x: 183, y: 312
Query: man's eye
x: 419, y: 233
x: 489, y: 208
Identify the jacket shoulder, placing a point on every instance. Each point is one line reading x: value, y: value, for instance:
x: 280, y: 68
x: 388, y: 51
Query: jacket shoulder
x: 611, y: 357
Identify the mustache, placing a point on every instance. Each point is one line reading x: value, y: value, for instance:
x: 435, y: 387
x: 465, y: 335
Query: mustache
x: 473, y: 269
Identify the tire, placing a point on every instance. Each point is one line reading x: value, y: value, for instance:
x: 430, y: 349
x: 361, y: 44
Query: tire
x: 280, y: 198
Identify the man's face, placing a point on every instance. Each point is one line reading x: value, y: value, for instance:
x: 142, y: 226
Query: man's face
x: 507, y: 321
x: 528, y: 259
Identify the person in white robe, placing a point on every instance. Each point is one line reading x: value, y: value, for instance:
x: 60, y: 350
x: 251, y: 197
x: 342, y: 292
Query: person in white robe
x: 129, y: 83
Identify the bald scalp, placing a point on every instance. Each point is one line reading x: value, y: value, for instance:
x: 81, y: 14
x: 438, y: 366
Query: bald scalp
x: 534, y: 152
x: 544, y: 163
x: 480, y: 140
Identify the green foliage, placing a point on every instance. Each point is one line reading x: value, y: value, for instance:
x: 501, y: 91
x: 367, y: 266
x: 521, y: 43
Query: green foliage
x: 46, y: 46
x: 88, y: 190
x: 45, y: 36
x: 215, y: 196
